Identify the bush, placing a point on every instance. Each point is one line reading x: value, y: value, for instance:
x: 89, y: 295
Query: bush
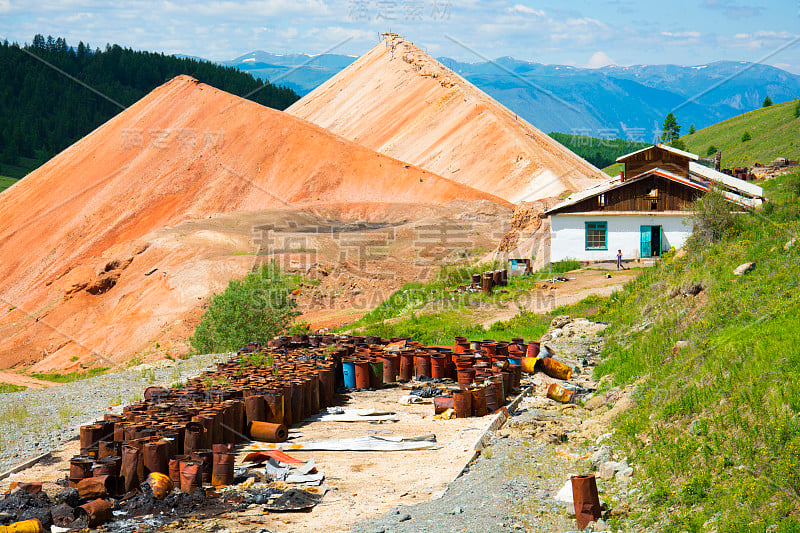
x: 746, y: 137
x: 767, y: 102
x: 797, y: 110
x: 712, y: 217
x: 711, y: 150
x: 255, y: 308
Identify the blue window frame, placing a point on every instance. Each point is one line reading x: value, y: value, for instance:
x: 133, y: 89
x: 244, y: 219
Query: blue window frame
x: 596, y: 236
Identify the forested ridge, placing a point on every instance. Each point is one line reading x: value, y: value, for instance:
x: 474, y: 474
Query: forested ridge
x: 599, y: 152
x: 42, y: 110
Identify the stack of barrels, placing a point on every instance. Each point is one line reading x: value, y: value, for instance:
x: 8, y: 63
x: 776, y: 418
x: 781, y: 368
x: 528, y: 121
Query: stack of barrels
x: 188, y: 433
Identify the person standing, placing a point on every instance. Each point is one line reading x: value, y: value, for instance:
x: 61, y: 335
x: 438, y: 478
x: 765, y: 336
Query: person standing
x: 619, y: 260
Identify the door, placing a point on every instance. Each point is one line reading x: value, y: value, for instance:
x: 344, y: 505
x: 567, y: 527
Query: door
x: 646, y: 248
x: 655, y: 241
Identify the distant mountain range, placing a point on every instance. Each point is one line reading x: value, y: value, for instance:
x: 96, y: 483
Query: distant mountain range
x: 625, y: 102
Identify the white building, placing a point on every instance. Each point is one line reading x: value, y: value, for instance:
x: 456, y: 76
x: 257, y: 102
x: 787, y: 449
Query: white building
x: 644, y: 211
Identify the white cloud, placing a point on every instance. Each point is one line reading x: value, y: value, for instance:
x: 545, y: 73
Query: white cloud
x: 5, y: 6
x: 519, y: 8
x: 598, y: 60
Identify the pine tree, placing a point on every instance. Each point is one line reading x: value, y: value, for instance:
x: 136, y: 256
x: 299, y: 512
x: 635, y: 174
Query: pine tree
x: 767, y: 102
x: 692, y: 130
x: 671, y: 130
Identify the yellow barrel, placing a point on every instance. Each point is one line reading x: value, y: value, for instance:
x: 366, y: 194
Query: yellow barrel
x: 529, y: 364
x: 26, y: 526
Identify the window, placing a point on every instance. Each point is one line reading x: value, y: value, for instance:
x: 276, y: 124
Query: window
x: 596, y: 236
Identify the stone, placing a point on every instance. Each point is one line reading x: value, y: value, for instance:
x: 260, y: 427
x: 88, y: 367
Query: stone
x: 604, y: 437
x: 404, y: 517
x: 603, y: 455
x: 624, y: 473
x: 565, y: 494
x: 621, y: 510
x: 743, y: 269
x: 595, y: 402
x: 789, y: 244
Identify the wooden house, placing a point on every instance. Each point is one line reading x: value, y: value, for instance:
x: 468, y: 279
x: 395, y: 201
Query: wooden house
x: 644, y: 211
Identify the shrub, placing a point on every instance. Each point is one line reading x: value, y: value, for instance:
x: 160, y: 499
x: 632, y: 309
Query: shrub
x: 797, y: 109
x: 711, y: 150
x: 255, y: 308
x: 712, y: 217
x: 746, y: 136
x: 767, y: 102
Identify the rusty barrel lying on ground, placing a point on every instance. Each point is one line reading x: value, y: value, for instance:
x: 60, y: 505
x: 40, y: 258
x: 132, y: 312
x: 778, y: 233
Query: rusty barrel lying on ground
x: 96, y: 512
x: 266, y: 432
x: 560, y: 394
x: 25, y: 526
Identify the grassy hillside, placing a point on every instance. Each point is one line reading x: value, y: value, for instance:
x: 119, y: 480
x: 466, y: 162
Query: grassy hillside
x: 599, y: 152
x: 715, y: 432
x: 775, y: 132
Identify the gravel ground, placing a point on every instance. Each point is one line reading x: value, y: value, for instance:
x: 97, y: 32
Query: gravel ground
x: 35, y: 421
x: 511, y: 486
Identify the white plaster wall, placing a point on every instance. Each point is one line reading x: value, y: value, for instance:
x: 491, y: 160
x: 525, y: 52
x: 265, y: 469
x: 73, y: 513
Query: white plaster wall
x: 568, y: 234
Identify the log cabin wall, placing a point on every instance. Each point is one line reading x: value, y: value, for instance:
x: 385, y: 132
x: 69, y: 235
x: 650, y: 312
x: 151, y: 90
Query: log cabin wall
x: 652, y: 194
x: 656, y: 158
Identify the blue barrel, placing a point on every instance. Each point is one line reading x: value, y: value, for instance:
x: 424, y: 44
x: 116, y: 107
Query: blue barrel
x: 514, y: 361
x: 349, y: 370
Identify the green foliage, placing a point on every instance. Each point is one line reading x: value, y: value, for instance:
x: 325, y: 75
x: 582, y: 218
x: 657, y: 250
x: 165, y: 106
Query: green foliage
x: 9, y: 387
x: 767, y: 101
x: 679, y: 144
x: 72, y: 376
x: 746, y: 136
x: 715, y: 427
x: 692, y: 130
x: 42, y: 112
x: 711, y: 150
x: 670, y: 130
x: 599, y: 152
x: 773, y: 130
x: 255, y: 308
x: 712, y: 215
x: 797, y: 109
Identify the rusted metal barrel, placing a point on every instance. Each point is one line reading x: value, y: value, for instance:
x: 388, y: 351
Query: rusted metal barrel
x: 497, y: 278
x: 327, y: 383
x: 107, y: 448
x: 193, y: 437
x: 362, y: 374
x: 222, y: 470
x: 466, y: 377
x: 555, y: 369
x: 442, y: 404
x: 255, y: 408
x: 274, y: 407
x: 406, y: 365
x: 156, y: 457
x: 205, y: 458
x: 478, y: 402
x: 191, y: 476
x: 560, y: 394
x: 376, y: 374
x: 475, y: 279
x: 490, y: 392
x: 25, y: 526
x: 159, y: 484
x: 586, y: 499
x: 80, y: 467
x: 107, y: 466
x: 266, y: 432
x: 422, y: 364
x: 97, y: 512
x: 96, y: 487
x: 438, y: 366
x: 462, y: 401
x: 487, y: 282
x: 175, y: 470
x: 129, y: 469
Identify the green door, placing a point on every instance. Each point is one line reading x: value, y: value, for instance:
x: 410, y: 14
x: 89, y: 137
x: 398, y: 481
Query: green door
x: 646, y: 241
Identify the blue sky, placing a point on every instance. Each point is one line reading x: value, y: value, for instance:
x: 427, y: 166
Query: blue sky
x: 579, y: 32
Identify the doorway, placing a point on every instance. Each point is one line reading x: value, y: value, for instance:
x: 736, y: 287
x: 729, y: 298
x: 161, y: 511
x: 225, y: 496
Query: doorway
x: 650, y: 241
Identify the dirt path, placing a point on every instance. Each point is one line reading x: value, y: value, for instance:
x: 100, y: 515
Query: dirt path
x: 26, y: 381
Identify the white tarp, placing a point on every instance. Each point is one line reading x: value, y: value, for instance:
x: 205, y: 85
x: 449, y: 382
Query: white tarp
x: 357, y: 444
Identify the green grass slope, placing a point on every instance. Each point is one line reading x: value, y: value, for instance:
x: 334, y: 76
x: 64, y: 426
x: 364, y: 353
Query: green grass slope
x: 715, y: 430
x: 775, y: 132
